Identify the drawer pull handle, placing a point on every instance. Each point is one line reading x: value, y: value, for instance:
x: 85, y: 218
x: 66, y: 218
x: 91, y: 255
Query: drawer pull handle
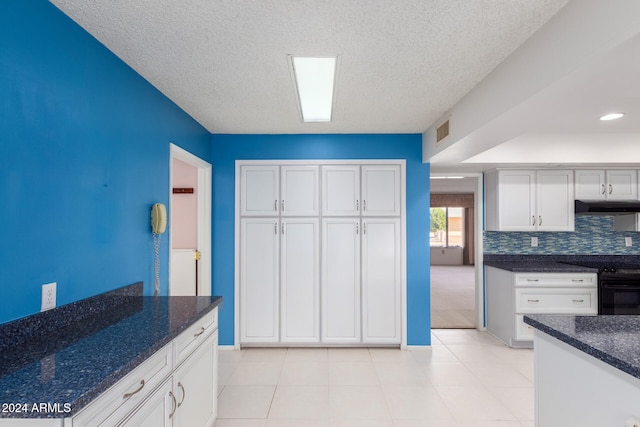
x: 577, y: 280
x: 533, y: 300
x: 128, y: 395
x: 175, y: 406
x: 578, y: 300
x: 199, y: 333
x: 184, y: 394
x: 533, y: 280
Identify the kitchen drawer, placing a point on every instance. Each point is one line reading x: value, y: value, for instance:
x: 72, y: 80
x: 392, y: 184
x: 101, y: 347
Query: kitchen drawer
x: 560, y: 301
x: 524, y: 332
x: 116, y: 403
x: 191, y: 338
x: 556, y: 279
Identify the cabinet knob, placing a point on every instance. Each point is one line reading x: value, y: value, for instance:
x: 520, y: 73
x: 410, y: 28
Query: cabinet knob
x: 275, y: 205
x: 540, y: 220
x: 357, y: 205
x: 603, y: 188
x: 282, y: 205
x: 610, y: 188
x: 533, y: 220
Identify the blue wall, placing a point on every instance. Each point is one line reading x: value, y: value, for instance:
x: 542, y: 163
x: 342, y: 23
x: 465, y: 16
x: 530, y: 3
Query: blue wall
x: 84, y: 152
x: 593, y: 235
x: 229, y: 148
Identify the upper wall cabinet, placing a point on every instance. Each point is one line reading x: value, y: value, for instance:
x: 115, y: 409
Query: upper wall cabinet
x: 275, y: 190
x: 529, y: 200
x: 260, y: 195
x: 606, y: 185
x: 344, y: 194
x: 381, y: 190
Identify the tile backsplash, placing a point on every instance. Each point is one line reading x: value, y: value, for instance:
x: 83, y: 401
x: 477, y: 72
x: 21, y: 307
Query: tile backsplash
x: 593, y: 235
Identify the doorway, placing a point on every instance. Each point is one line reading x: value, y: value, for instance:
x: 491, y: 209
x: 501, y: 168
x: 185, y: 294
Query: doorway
x: 190, y: 224
x: 457, y: 296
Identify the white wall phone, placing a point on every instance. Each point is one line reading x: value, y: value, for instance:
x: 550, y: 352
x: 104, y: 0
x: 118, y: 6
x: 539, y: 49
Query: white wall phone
x: 158, y: 226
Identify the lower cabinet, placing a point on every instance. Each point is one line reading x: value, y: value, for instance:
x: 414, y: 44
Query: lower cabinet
x: 510, y: 296
x: 177, y: 386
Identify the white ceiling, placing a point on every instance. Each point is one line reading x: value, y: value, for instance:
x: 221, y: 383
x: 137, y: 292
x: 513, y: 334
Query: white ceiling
x: 558, y: 124
x: 403, y: 63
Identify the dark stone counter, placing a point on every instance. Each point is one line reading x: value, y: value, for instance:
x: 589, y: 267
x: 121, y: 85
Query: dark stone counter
x: 615, y: 340
x: 71, y: 354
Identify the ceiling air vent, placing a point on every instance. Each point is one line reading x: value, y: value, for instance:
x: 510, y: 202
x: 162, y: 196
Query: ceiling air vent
x: 442, y: 131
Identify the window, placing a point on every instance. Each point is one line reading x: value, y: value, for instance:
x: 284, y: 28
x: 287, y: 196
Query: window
x: 447, y: 227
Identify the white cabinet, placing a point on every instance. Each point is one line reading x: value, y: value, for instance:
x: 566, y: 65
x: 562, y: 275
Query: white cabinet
x: 260, y: 192
x: 381, y: 190
x: 271, y: 190
x: 340, y: 190
x: 341, y: 280
x: 259, y: 280
x: 512, y: 295
x: 280, y: 280
x: 381, y: 280
x: 195, y: 387
x: 309, y: 273
x: 176, y: 387
x: 377, y: 194
x: 155, y: 411
x: 299, y: 190
x: 611, y: 184
x: 300, y: 280
x: 528, y: 200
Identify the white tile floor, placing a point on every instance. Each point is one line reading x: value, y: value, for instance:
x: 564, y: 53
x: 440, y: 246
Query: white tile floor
x: 467, y: 378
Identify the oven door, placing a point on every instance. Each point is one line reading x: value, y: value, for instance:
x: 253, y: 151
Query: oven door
x: 619, y: 296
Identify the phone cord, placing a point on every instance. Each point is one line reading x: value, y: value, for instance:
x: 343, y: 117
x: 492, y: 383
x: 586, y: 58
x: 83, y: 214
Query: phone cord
x: 156, y: 266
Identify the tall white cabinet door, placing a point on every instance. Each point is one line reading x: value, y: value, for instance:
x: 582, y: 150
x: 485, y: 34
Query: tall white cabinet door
x: 622, y: 185
x: 299, y: 190
x: 259, y: 190
x: 340, y: 190
x: 259, y: 280
x: 381, y: 190
x: 516, y: 207
x: 381, y: 254
x: 341, y: 280
x: 590, y: 185
x: 554, y: 193
x: 300, y: 280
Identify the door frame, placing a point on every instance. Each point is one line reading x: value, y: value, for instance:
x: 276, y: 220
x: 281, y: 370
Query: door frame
x: 205, y: 173
x: 321, y: 162
x: 478, y: 207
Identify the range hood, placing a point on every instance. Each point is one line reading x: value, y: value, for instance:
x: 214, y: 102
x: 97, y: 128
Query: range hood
x: 586, y: 207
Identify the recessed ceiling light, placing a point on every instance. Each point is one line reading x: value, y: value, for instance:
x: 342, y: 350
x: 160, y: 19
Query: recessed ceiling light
x: 611, y: 116
x: 314, y: 80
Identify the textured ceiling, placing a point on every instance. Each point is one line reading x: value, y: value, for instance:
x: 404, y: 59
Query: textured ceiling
x: 403, y: 63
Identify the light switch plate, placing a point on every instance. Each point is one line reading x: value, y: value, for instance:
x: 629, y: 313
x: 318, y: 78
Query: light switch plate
x: 628, y: 242
x: 534, y: 242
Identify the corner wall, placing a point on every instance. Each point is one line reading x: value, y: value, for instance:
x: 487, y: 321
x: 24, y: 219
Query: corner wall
x: 229, y: 148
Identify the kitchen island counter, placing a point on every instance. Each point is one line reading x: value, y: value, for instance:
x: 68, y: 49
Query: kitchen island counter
x: 587, y: 370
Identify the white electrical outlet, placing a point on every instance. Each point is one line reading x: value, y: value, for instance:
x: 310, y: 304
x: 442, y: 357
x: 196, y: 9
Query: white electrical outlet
x: 628, y: 242
x: 534, y: 242
x: 48, y: 296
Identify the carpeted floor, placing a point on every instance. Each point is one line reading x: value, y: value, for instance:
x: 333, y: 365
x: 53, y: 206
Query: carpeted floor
x: 452, y: 296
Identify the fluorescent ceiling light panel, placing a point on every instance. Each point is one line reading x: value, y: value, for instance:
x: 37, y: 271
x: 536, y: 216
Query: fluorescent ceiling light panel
x: 315, y: 77
x: 611, y: 116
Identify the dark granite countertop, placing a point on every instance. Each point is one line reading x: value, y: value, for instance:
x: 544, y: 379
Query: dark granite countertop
x: 539, y: 267
x: 615, y: 340
x: 553, y: 263
x: 73, y: 353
